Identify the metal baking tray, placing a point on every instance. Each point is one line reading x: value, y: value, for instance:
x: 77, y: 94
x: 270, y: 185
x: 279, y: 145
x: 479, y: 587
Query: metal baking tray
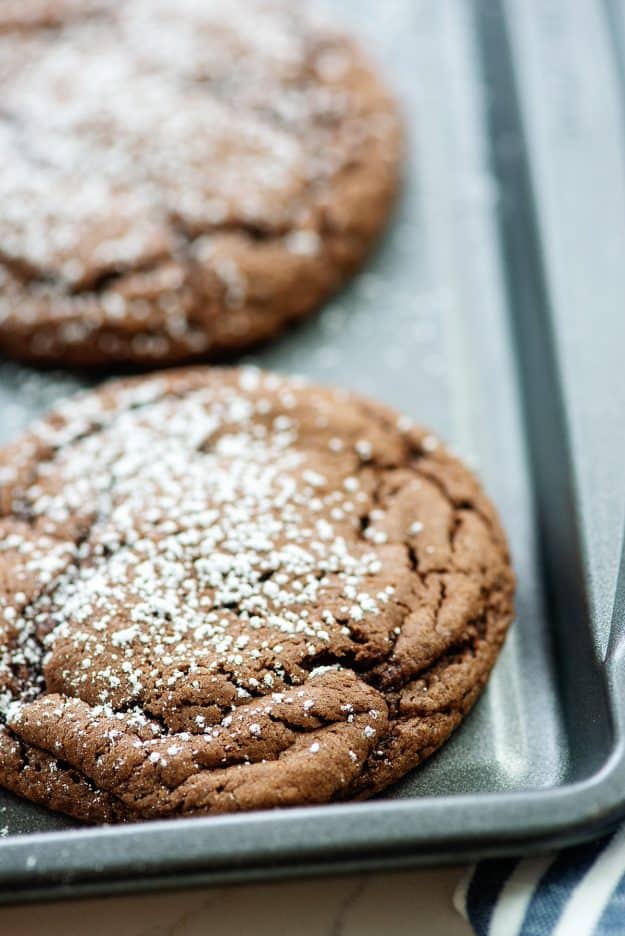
x: 492, y: 311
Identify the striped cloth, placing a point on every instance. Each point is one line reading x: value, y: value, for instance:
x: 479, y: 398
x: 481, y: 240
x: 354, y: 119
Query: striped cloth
x: 578, y: 892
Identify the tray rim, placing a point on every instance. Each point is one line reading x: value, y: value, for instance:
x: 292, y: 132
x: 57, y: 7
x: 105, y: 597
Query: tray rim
x: 397, y: 833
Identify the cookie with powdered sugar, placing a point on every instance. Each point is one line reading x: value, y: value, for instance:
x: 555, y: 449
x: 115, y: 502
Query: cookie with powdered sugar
x: 180, y: 179
x: 225, y: 590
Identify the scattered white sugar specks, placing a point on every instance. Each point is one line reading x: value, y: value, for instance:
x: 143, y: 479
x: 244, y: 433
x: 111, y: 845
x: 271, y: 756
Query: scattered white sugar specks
x: 305, y: 243
x: 321, y: 670
x: 125, y: 636
x: 314, y: 747
x: 313, y: 478
x: 429, y: 443
x: 415, y: 527
x: 219, y: 146
x: 202, y: 572
x: 364, y: 449
x: 249, y: 378
x: 369, y: 732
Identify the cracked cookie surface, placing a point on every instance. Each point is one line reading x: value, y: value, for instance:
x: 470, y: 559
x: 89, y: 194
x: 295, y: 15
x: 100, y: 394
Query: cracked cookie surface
x: 223, y: 590
x: 180, y: 178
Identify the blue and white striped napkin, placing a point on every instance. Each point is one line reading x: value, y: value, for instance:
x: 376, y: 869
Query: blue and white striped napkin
x: 578, y: 892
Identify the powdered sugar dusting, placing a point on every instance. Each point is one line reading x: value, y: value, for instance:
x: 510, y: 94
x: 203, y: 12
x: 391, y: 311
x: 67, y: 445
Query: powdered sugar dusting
x: 182, y: 553
x: 199, y: 121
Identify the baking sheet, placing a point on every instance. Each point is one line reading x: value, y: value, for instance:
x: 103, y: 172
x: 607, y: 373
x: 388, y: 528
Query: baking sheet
x: 462, y: 320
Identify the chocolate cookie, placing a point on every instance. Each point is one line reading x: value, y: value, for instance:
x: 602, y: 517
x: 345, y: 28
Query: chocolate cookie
x: 180, y: 179
x: 227, y: 590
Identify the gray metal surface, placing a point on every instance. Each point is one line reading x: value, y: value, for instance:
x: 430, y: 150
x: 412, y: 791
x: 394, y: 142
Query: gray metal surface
x: 491, y: 316
x: 570, y: 66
